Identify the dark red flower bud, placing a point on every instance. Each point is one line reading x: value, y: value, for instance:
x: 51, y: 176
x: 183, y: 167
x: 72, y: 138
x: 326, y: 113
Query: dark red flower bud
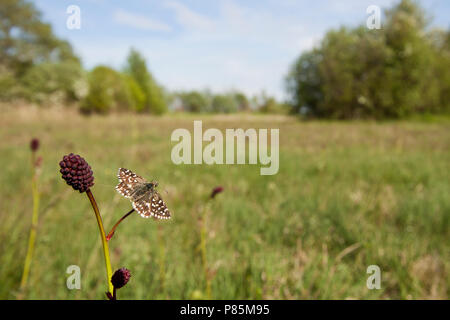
x: 34, y: 144
x: 120, y: 278
x: 216, y: 191
x: 76, y: 172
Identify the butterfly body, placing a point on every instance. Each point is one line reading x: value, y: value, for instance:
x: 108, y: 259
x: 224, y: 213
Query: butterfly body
x: 143, y: 195
x: 141, y: 190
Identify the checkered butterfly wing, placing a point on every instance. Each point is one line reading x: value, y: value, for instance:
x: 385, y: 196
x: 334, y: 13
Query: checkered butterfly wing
x: 128, y: 181
x: 158, y: 207
x: 149, y: 205
x: 152, y: 206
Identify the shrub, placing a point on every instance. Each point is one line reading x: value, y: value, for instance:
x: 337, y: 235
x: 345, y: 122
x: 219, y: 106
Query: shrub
x: 224, y: 104
x: 270, y: 105
x: 108, y: 91
x: 10, y: 88
x: 194, y: 101
x: 136, y: 68
x: 46, y: 80
x: 136, y: 94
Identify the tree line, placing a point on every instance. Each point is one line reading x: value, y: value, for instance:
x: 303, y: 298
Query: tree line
x: 38, y: 67
x: 399, y: 70
x: 393, y: 72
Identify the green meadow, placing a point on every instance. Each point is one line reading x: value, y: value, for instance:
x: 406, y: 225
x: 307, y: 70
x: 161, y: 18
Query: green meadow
x: 347, y: 195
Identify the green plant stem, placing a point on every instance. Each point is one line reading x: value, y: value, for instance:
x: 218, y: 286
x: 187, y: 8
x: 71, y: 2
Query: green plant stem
x: 162, y: 257
x: 203, y: 253
x: 104, y: 242
x: 32, y: 238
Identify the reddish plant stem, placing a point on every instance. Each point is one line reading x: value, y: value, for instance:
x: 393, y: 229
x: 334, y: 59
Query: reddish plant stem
x: 112, y: 296
x: 111, y: 233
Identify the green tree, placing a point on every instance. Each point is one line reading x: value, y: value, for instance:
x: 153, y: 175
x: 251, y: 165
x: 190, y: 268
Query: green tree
x: 224, y: 103
x: 136, y: 67
x: 108, y: 91
x: 194, y: 101
x: 242, y: 101
x: 436, y: 84
x: 58, y: 80
x: 358, y: 72
x: 29, y: 49
x: 137, y: 96
x: 271, y: 105
x: 412, y: 54
x: 304, y: 83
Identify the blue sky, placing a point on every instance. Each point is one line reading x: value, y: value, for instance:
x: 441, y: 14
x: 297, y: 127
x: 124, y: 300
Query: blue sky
x: 217, y: 44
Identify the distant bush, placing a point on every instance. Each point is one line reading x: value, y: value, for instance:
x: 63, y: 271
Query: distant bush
x: 108, y: 91
x: 58, y: 80
x: 194, y: 101
x: 222, y: 103
x: 228, y: 102
x: 242, y: 102
x: 437, y: 82
x: 270, y: 105
x: 136, y: 94
x: 9, y: 85
x: 388, y: 73
x: 136, y: 68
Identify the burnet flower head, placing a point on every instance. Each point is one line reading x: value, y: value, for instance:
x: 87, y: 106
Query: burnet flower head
x: 77, y: 172
x: 120, y: 278
x: 216, y: 191
x: 34, y: 144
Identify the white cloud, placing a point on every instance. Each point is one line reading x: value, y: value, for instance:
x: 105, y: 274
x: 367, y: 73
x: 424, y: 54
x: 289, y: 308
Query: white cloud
x: 249, y: 49
x: 139, y: 22
x: 189, y: 18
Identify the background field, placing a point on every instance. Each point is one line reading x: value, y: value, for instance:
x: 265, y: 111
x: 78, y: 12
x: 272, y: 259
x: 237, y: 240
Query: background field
x: 348, y: 195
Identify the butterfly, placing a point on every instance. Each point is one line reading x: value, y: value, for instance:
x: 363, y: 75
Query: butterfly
x: 143, y: 195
